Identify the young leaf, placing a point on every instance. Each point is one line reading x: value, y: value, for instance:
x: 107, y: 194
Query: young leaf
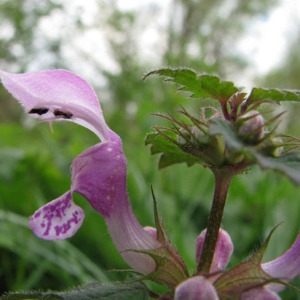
x: 200, y: 86
x: 171, y: 153
x: 287, y: 164
x: 260, y: 94
x: 225, y: 128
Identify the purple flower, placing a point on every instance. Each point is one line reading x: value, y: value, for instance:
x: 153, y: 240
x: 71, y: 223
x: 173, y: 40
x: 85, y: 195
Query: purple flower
x: 201, y: 287
x: 99, y: 173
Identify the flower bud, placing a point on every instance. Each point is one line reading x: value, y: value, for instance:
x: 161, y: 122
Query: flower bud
x: 273, y: 146
x: 199, y: 137
x: 251, y: 126
x: 197, y: 287
x: 224, y: 249
x: 234, y: 157
x: 184, y: 136
x: 152, y: 231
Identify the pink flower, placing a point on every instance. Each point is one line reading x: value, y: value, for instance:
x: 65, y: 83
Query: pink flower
x: 222, y: 253
x: 202, y: 288
x: 206, y: 286
x: 99, y: 173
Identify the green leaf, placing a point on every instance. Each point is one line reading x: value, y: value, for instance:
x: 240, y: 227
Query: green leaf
x: 200, y: 86
x: 287, y: 164
x: 260, y: 94
x: 113, y: 291
x: 31, y: 295
x: 171, y: 153
x: 225, y: 128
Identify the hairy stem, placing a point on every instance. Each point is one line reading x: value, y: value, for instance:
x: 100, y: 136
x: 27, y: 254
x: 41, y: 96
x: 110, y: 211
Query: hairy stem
x: 222, y: 181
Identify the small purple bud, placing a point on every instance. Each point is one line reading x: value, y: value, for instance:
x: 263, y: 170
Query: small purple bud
x: 151, y: 231
x: 196, y: 288
x: 222, y: 253
x: 252, y: 126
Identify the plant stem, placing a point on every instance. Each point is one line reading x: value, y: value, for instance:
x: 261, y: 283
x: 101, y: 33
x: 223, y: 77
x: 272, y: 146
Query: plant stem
x: 222, y: 181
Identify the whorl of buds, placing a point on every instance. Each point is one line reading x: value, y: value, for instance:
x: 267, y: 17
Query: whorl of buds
x: 229, y: 140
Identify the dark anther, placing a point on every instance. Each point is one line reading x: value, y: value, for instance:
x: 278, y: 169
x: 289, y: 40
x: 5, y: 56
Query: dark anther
x: 65, y: 115
x: 39, y: 111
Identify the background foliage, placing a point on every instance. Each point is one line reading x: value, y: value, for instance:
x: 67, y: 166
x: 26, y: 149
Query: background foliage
x: 111, y: 47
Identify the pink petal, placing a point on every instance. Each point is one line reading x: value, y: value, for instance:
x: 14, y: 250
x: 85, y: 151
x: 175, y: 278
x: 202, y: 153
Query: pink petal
x: 57, y: 95
x: 99, y: 174
x: 285, y: 267
x: 58, y: 219
x: 196, y: 288
x: 223, y: 250
x: 152, y: 231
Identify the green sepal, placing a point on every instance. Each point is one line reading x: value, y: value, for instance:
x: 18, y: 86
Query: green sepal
x: 93, y: 291
x: 200, y: 86
x: 245, y: 276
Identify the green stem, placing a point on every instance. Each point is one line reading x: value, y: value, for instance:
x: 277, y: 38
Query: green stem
x: 222, y: 178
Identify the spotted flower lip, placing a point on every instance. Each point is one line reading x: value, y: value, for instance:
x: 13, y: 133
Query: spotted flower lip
x: 98, y: 173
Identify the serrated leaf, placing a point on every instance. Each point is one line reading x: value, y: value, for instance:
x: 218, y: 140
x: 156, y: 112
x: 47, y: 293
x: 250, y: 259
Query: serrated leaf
x: 260, y: 94
x: 93, y: 291
x: 287, y: 164
x: 200, y: 86
x: 170, y: 153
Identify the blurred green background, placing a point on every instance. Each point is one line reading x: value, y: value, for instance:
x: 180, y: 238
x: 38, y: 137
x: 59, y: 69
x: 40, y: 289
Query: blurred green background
x: 112, y: 44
